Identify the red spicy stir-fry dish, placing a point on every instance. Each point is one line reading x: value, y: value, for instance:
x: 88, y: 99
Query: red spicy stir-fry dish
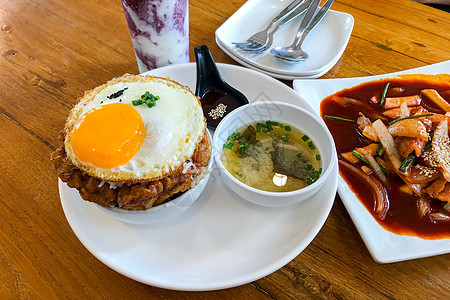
x: 392, y: 138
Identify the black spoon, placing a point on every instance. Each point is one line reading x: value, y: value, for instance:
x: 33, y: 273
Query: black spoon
x: 218, y: 98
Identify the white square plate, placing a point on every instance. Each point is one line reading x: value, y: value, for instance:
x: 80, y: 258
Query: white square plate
x: 325, y: 44
x: 384, y: 246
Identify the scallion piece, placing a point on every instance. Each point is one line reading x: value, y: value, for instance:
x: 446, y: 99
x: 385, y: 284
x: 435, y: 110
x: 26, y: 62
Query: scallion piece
x: 287, y: 128
x: 305, y: 138
x: 311, y: 145
x: 299, y: 155
x: 380, y: 149
x: 226, y: 146
x: 285, y: 138
x: 318, y: 157
x: 383, y: 96
x: 410, y: 117
x: 338, y: 118
x: 360, y: 157
x: 407, y: 162
x: 238, y: 174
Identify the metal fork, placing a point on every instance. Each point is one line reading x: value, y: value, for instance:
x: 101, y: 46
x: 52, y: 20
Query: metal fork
x: 268, y: 43
x: 259, y: 39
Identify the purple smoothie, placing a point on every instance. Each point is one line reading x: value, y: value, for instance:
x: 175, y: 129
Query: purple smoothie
x: 159, y: 30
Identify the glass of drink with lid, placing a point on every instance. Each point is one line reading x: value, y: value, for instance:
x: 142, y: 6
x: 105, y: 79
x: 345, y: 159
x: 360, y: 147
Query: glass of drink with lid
x: 159, y: 31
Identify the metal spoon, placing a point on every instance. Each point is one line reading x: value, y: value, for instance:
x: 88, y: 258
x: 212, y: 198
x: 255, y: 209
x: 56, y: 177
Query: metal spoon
x: 294, y: 52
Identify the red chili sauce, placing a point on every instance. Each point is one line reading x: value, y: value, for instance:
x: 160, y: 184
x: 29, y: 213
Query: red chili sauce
x: 403, y: 215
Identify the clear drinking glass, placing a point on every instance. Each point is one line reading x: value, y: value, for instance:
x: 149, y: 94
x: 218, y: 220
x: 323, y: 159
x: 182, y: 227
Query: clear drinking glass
x: 159, y: 31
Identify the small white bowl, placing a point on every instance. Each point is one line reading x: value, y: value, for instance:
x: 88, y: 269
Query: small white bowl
x: 166, y: 211
x: 310, y: 124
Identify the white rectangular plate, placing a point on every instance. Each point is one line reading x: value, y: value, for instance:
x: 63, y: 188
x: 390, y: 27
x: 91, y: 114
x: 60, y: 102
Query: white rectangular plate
x: 384, y: 246
x: 325, y: 44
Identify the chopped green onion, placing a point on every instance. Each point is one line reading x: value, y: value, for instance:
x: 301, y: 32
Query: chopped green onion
x: 281, y: 125
x: 309, y: 167
x: 338, y: 118
x: 317, y: 157
x: 320, y: 171
x: 311, y: 145
x: 385, y: 171
x: 272, y: 123
x: 147, y: 98
x: 361, y: 157
x: 245, y: 150
x: 238, y: 174
x: 305, y: 138
x: 299, y: 155
x: 380, y: 149
x: 407, y: 162
x: 287, y: 128
x: 410, y: 117
x: 383, y: 96
x: 265, y: 130
x: 285, y: 138
x: 226, y: 146
x: 258, y: 127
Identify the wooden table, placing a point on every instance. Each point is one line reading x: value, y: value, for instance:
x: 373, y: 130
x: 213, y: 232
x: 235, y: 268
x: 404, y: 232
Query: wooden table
x: 53, y: 50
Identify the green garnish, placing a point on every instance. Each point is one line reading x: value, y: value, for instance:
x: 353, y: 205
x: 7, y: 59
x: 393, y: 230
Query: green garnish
x: 380, y: 149
x: 309, y: 167
x: 383, y: 96
x: 338, y: 118
x: 407, y: 162
x: 281, y: 125
x: 238, y: 174
x: 299, y: 155
x: 410, y: 117
x: 226, y: 146
x: 320, y: 171
x: 385, y: 171
x: 287, y: 128
x: 147, y: 98
x: 272, y: 123
x: 258, y: 127
x: 311, y: 145
x: 361, y: 157
x: 285, y: 138
x: 305, y: 138
x: 317, y: 157
x: 314, y: 177
x: 265, y: 130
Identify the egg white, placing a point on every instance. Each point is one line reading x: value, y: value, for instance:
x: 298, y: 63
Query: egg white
x: 173, y: 127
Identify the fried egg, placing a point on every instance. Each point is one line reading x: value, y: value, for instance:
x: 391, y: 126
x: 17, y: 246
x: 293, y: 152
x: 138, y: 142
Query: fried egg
x: 110, y: 138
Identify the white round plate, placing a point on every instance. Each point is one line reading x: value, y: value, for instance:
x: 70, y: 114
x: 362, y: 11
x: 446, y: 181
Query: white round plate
x: 222, y: 240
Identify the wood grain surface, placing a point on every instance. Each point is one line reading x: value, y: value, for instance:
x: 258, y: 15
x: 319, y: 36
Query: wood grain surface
x: 54, y: 50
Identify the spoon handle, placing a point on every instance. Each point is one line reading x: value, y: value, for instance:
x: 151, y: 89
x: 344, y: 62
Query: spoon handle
x: 207, y: 73
x: 311, y: 11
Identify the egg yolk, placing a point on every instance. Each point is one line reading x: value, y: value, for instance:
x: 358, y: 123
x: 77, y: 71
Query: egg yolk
x: 108, y: 136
